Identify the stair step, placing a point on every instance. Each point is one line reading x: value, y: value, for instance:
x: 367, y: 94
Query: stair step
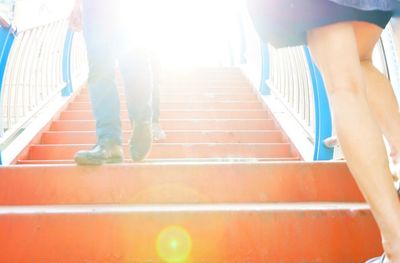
x: 257, y: 124
x: 172, y: 150
x: 89, y: 137
x: 226, y: 180
x: 178, y: 183
x: 173, y: 93
x: 206, y: 72
x: 216, y: 233
x: 179, y: 114
x: 187, y: 105
x: 206, y: 78
x: 197, y: 79
x: 170, y: 160
x: 177, y: 97
x: 188, y: 89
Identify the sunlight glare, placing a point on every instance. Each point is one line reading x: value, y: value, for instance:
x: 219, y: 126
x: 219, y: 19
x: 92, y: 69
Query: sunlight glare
x: 181, y: 32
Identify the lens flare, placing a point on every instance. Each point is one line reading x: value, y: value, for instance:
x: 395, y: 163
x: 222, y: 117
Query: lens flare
x: 174, y: 244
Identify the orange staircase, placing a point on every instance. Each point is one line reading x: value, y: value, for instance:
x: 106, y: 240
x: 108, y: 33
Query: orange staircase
x: 225, y: 186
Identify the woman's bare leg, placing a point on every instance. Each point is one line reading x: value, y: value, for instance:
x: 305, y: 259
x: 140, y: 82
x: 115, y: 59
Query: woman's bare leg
x: 380, y: 94
x: 334, y: 48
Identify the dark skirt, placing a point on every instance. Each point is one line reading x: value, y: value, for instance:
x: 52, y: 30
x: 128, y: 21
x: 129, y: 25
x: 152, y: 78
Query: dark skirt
x: 284, y: 23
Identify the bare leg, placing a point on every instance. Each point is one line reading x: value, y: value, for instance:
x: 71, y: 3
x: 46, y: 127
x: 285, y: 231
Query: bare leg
x: 335, y: 50
x: 380, y: 94
x: 384, y: 105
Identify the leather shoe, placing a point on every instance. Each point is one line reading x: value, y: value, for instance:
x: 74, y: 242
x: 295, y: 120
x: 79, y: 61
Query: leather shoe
x: 106, y: 152
x: 140, y: 142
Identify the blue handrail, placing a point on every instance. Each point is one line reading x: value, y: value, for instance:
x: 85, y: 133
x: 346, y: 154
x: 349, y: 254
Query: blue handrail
x: 265, y: 69
x: 323, y: 120
x: 6, y: 41
x: 66, y: 64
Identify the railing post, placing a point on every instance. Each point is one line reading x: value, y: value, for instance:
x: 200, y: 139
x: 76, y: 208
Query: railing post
x: 242, y: 33
x: 6, y: 41
x: 323, y: 121
x: 66, y: 66
x: 265, y: 66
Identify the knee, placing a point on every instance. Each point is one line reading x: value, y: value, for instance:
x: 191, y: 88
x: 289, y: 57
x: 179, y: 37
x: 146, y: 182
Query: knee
x: 345, y: 83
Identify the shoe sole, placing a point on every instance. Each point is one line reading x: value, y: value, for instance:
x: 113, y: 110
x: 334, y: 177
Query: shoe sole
x: 94, y: 162
x: 142, y: 157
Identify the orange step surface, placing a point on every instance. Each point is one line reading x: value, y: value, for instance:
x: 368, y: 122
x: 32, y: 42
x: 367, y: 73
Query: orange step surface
x: 178, y: 114
x: 189, y: 233
x: 175, y: 150
x: 174, y: 136
x: 225, y: 185
x: 178, y: 183
x: 194, y: 96
x: 218, y: 105
x: 199, y: 124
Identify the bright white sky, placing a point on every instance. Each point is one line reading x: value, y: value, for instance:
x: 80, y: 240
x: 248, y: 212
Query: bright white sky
x: 184, y: 32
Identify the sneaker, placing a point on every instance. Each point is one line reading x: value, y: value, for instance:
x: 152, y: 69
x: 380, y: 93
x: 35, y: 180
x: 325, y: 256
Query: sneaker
x: 140, y: 142
x: 107, y: 152
x: 381, y: 259
x: 158, y: 132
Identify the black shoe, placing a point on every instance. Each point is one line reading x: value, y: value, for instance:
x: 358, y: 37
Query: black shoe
x: 140, y: 142
x: 109, y: 152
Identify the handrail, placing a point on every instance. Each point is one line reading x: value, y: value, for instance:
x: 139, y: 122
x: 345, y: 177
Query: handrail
x: 39, y: 62
x: 297, y: 83
x: 323, y: 120
x: 390, y: 54
x: 291, y: 77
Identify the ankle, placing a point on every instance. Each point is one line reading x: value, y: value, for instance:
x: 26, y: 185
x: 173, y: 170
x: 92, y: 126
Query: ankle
x: 392, y: 249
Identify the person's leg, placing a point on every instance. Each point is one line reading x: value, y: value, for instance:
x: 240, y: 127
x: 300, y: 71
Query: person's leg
x: 334, y: 49
x: 379, y: 91
x: 158, y: 132
x: 138, y: 82
x: 98, y: 36
x: 137, y: 76
x: 98, y: 31
x: 156, y: 68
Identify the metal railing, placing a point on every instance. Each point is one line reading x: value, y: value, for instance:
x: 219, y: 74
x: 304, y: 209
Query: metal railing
x: 291, y: 82
x: 39, y: 62
x: 291, y: 77
x: 298, y: 84
x: 388, y: 50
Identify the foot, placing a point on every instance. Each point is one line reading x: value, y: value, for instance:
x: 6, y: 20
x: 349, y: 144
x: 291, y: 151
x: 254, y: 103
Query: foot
x: 108, y: 152
x: 331, y: 142
x: 381, y: 259
x: 158, y: 132
x: 140, y: 142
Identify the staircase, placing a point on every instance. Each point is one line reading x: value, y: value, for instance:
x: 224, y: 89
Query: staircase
x: 225, y: 186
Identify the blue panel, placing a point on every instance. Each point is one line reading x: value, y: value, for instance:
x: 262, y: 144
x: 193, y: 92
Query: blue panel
x: 66, y: 66
x: 6, y: 41
x: 323, y: 121
x: 265, y: 66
